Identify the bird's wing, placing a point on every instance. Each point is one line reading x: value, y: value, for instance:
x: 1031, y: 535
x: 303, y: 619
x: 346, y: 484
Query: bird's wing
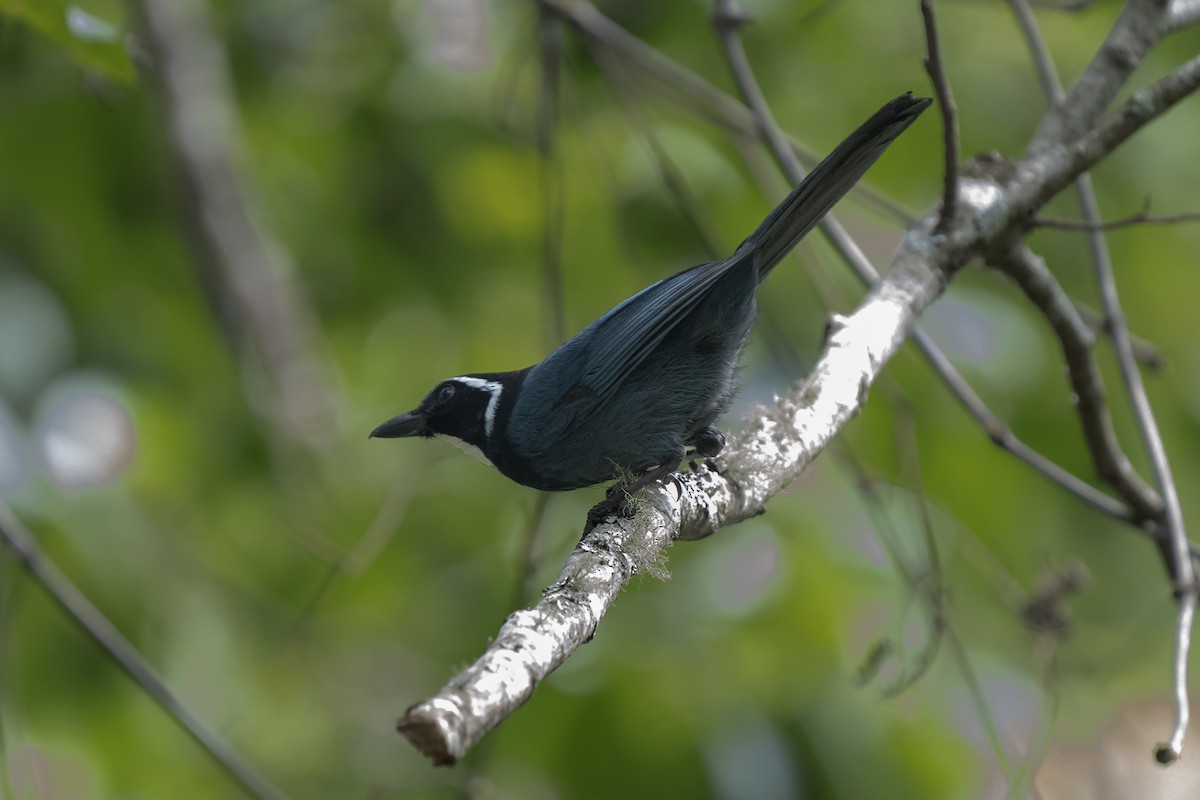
x: 588, y: 369
x: 623, y: 338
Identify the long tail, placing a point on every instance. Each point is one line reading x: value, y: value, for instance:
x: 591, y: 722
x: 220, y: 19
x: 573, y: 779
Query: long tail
x: 824, y: 186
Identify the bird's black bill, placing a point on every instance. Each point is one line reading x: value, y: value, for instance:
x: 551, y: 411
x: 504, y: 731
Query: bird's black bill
x: 411, y: 424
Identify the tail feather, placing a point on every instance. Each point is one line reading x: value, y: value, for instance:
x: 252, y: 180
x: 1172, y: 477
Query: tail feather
x: 822, y: 188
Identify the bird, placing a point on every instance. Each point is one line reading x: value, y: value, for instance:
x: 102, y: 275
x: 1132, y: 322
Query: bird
x: 630, y: 396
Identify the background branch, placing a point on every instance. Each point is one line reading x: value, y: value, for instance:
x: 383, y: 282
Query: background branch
x: 949, y: 111
x: 250, y: 279
x: 92, y: 621
x: 1135, y: 32
x: 1143, y: 217
x: 1038, y: 284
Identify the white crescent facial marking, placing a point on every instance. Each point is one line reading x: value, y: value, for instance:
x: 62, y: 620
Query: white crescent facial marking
x: 489, y: 415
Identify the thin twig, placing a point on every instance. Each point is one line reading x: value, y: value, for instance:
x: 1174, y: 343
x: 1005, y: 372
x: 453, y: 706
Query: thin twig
x: 673, y: 179
x: 979, y: 700
x: 1040, y: 739
x: 1168, y: 752
x: 96, y: 625
x: 945, y: 98
x: 1141, y: 218
x: 1069, y: 6
x: 1030, y: 274
x: 527, y: 549
x: 929, y: 586
x: 1146, y: 352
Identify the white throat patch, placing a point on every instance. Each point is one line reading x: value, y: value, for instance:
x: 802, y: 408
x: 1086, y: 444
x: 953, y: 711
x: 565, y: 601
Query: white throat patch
x: 470, y: 449
x: 489, y: 415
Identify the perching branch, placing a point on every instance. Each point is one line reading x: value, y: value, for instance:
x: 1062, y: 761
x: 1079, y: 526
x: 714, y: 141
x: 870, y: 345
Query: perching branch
x: 1182, y: 14
x: 15, y: 537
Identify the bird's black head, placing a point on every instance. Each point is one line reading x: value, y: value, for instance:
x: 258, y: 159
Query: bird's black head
x: 462, y: 410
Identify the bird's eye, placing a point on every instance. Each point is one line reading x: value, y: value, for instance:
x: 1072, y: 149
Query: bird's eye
x: 445, y: 393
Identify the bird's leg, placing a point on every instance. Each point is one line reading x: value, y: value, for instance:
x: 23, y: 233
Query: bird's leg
x: 616, y: 500
x: 707, y: 442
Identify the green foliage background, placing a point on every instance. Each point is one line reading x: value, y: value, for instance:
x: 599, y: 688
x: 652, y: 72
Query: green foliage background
x: 408, y: 193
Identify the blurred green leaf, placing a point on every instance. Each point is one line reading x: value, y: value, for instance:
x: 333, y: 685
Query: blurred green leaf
x: 88, y: 35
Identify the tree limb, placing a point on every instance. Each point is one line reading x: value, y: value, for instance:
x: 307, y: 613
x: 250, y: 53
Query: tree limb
x: 1138, y: 29
x: 81, y: 611
x: 248, y: 275
x: 1038, y: 284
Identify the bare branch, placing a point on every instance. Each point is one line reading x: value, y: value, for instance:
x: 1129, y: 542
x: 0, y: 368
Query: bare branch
x: 727, y: 20
x: 1001, y: 435
x: 1038, y: 284
x: 1143, y: 217
x: 1043, y: 62
x: 249, y: 276
x: 1139, y: 27
x: 945, y: 98
x: 1030, y: 273
x: 1062, y: 164
x: 1169, y: 752
x: 1143, y: 106
x: 1069, y: 6
x: 75, y: 603
x: 1146, y: 352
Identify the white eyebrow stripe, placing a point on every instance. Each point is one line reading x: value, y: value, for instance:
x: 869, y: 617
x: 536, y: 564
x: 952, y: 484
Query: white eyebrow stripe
x: 491, y: 387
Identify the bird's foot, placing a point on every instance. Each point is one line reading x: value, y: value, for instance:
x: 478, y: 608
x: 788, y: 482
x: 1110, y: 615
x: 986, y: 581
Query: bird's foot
x: 617, y: 498
x: 707, y: 442
x: 614, y: 504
